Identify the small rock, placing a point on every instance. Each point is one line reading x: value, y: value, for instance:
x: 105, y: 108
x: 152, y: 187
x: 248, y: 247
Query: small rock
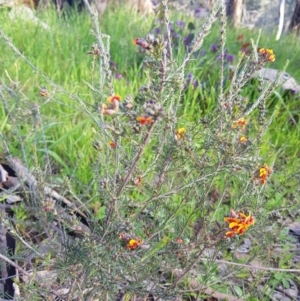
x: 26, y: 14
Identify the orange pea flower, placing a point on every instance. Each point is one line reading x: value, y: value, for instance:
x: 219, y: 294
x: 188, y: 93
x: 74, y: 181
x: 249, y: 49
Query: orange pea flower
x: 142, y: 42
x: 238, y: 223
x: 243, y: 139
x: 133, y: 244
x: 180, y: 134
x: 113, y: 107
x: 143, y: 120
x: 113, y: 98
x: 264, y: 173
x: 242, y: 122
x: 112, y: 144
x: 267, y: 54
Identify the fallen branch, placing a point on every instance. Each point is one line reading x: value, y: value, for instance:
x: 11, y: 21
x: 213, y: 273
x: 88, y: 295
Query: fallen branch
x: 26, y: 176
x: 14, y: 265
x: 253, y: 267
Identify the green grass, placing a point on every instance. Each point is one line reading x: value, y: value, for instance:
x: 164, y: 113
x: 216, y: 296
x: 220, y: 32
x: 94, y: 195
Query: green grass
x: 61, y: 54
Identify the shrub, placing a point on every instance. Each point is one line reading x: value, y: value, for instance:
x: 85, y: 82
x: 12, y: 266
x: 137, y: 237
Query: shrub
x: 163, y: 197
